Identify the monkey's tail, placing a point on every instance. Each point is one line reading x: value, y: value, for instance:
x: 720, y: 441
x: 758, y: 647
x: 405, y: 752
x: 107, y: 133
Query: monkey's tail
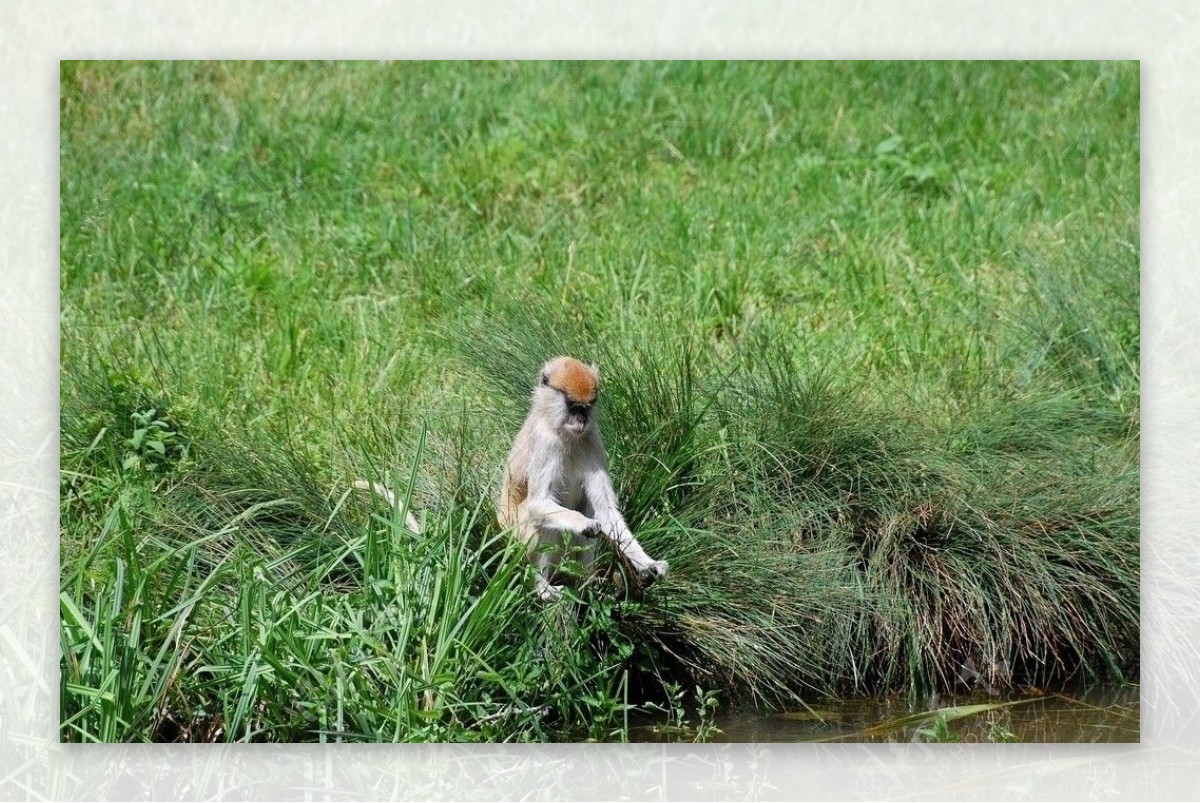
x: 410, y: 520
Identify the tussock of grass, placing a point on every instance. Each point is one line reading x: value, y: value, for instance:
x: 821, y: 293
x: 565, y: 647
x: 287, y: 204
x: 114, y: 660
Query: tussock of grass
x: 868, y: 343
x: 820, y: 540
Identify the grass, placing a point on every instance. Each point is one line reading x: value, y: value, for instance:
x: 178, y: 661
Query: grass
x: 868, y: 337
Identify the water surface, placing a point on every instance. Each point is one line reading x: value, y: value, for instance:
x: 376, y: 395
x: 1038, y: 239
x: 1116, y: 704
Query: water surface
x: 1098, y: 714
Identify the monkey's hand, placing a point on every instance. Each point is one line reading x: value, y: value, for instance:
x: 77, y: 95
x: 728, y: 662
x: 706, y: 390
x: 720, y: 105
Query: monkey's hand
x: 653, y: 571
x: 592, y: 530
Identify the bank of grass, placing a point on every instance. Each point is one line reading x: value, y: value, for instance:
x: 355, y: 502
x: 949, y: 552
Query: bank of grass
x: 868, y: 339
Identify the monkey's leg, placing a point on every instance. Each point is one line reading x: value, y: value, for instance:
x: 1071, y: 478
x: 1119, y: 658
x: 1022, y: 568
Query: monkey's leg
x: 545, y: 591
x: 546, y: 554
x: 586, y: 553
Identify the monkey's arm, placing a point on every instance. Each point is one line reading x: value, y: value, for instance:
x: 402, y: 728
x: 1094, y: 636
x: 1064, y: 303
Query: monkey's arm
x: 545, y: 512
x: 543, y: 507
x: 603, y: 499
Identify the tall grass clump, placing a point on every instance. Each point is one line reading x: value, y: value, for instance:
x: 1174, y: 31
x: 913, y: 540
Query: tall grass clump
x: 823, y: 538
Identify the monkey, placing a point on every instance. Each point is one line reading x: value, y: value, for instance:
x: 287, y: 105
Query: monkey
x: 556, y: 491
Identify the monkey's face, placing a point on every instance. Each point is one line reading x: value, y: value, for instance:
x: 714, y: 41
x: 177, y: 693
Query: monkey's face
x: 567, y: 413
x: 568, y: 389
x: 578, y: 416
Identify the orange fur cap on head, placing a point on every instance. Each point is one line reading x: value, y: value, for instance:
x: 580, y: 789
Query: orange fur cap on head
x: 579, y: 382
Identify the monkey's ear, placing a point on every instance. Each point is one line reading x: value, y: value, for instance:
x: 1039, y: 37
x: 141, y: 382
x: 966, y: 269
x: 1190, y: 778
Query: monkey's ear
x: 545, y: 379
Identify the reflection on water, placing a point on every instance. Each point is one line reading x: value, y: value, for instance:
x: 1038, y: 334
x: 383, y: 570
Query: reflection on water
x: 1099, y: 714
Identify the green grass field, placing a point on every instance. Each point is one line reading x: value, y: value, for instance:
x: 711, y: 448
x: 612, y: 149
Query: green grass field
x: 868, y: 335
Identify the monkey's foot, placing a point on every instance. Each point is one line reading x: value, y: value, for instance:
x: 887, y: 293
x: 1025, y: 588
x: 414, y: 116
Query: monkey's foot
x: 653, y: 571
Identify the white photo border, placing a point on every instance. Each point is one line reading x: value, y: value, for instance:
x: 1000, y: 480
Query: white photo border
x: 35, y: 37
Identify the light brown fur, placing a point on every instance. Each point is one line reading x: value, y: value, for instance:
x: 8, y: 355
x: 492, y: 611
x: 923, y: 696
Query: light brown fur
x: 575, y: 379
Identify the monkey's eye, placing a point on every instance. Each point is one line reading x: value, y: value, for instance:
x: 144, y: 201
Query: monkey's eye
x: 579, y: 409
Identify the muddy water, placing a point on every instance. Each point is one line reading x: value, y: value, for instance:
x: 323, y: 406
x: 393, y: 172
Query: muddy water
x: 1099, y: 714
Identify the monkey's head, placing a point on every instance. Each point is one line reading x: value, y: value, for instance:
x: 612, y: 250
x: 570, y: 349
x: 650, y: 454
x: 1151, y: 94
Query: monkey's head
x: 566, y: 394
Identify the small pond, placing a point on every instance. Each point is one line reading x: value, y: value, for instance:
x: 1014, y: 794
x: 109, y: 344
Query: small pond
x: 1097, y: 714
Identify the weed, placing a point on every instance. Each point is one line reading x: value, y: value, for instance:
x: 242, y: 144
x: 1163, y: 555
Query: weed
x: 152, y: 443
x: 938, y: 730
